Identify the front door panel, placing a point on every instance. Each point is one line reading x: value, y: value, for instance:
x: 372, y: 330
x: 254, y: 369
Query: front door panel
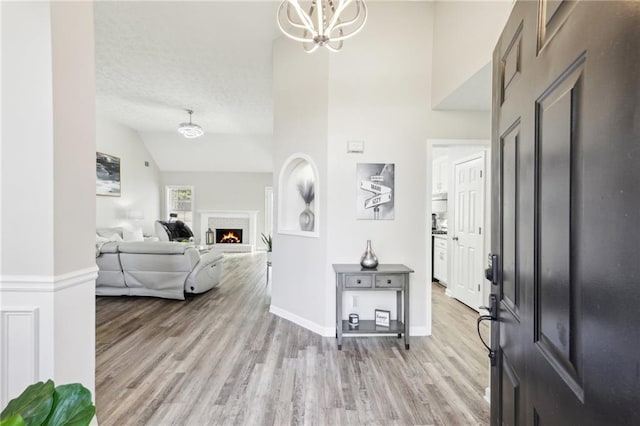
x: 566, y: 224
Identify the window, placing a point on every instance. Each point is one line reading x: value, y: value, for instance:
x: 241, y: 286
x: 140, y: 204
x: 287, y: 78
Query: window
x: 180, y: 201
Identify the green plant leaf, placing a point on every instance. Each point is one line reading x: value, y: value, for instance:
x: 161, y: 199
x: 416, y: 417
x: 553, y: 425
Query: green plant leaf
x: 72, y: 406
x: 13, y: 421
x: 33, y: 405
x: 266, y: 239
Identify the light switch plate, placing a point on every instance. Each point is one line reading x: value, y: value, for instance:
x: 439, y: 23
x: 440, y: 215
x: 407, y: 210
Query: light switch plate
x: 355, y: 146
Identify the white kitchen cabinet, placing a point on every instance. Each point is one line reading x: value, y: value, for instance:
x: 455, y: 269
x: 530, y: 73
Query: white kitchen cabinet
x: 440, y: 259
x: 440, y: 176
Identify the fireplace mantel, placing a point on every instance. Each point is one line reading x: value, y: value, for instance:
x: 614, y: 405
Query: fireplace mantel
x: 248, y: 220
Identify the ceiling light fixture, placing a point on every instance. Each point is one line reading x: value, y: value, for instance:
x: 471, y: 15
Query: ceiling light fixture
x: 324, y: 25
x: 190, y: 130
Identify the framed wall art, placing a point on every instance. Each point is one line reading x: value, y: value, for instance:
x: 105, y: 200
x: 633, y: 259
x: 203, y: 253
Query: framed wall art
x: 375, y: 198
x: 383, y: 318
x: 107, y: 175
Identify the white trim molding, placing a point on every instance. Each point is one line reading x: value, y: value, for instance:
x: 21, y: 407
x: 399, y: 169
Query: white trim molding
x: 35, y: 319
x: 20, y: 359
x: 303, y: 322
x: 45, y: 283
x: 418, y: 331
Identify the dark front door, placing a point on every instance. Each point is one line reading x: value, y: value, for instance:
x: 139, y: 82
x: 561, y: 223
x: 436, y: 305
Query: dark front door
x: 566, y: 192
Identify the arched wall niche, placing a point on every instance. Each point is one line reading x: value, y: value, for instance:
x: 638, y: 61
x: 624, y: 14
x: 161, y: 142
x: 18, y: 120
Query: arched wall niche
x: 299, y: 179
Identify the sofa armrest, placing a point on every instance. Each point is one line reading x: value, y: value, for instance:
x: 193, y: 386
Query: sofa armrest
x: 206, y: 274
x: 109, y: 247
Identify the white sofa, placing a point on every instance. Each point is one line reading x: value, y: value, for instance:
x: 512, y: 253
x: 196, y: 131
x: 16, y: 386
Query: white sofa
x: 160, y: 269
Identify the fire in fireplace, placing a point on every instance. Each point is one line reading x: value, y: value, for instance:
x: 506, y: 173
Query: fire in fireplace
x: 228, y: 236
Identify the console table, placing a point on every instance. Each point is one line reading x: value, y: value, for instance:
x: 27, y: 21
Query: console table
x: 352, y: 277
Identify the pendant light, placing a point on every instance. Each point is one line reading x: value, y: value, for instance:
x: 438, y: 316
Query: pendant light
x: 328, y: 22
x: 190, y: 130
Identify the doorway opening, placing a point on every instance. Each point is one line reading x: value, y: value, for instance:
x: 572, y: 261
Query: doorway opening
x: 458, y: 209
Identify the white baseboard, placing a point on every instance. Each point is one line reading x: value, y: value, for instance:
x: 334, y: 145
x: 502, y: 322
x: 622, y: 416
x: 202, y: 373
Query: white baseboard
x: 47, y: 283
x: 303, y: 322
x: 330, y: 331
x: 418, y: 331
x: 448, y: 293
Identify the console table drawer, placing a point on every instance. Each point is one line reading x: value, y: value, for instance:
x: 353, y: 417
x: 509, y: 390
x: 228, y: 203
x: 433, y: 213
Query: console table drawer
x: 357, y: 281
x: 389, y: 281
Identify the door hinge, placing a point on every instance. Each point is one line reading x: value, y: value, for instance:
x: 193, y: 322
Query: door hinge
x: 478, y: 287
x: 480, y: 231
x: 480, y: 173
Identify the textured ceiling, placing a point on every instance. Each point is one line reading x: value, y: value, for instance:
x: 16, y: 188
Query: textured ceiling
x: 155, y: 59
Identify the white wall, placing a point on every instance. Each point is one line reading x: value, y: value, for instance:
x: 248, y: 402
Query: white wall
x: 140, y: 185
x: 300, y: 269
x: 379, y: 91
x: 47, y: 282
x: 222, y: 191
x: 465, y: 33
x: 27, y: 30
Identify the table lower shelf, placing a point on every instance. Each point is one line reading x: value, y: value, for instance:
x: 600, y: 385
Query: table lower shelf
x: 370, y: 327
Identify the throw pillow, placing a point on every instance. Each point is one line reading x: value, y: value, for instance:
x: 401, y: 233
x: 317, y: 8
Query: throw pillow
x: 135, y: 235
x: 115, y: 237
x: 108, y: 232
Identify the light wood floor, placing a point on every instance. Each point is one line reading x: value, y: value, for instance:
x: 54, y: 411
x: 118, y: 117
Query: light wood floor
x: 222, y: 358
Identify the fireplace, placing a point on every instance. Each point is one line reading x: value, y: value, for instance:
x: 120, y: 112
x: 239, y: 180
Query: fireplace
x: 235, y: 220
x: 228, y: 236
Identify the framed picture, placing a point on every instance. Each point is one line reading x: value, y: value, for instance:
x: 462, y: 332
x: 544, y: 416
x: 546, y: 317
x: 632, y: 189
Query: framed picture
x: 375, y: 198
x: 107, y: 175
x: 383, y: 318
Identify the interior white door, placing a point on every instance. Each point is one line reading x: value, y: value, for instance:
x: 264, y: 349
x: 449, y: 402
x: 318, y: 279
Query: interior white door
x: 268, y: 210
x: 468, y: 235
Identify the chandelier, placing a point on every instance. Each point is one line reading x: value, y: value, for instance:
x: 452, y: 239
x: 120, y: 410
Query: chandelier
x: 328, y: 23
x: 190, y: 130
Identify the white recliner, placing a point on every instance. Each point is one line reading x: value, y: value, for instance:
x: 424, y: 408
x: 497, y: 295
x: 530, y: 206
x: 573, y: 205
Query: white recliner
x: 160, y: 269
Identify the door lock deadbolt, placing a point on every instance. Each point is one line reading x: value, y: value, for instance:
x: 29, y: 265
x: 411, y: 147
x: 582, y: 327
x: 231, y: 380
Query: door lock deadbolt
x: 491, y: 273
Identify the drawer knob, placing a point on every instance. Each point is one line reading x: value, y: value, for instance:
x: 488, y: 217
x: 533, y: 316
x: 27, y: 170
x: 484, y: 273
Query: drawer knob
x: 388, y: 281
x: 359, y: 281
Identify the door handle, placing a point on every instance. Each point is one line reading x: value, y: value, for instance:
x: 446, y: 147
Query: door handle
x: 493, y: 311
x: 455, y: 238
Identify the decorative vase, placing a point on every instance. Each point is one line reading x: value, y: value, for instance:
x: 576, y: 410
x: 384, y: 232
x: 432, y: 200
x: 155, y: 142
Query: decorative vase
x: 307, y: 219
x: 369, y: 259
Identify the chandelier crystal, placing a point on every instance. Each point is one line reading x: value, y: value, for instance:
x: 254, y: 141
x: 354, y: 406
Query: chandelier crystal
x: 328, y: 22
x: 190, y: 130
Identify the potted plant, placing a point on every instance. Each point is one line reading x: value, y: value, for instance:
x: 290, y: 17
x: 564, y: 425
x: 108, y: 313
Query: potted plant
x: 268, y: 242
x: 46, y: 404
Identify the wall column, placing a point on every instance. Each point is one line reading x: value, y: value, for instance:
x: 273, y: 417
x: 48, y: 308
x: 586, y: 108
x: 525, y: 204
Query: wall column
x: 47, y: 195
